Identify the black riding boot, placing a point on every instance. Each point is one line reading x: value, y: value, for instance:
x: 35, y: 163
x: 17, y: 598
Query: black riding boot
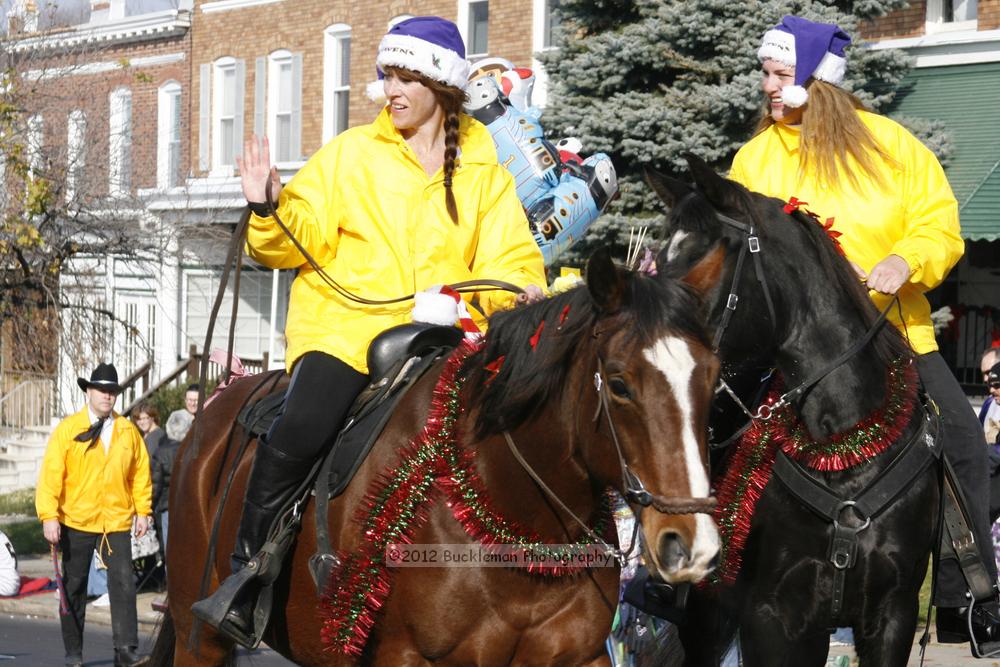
x: 274, y: 477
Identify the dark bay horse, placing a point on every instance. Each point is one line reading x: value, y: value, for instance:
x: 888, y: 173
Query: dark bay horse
x: 624, y: 358
x: 781, y: 598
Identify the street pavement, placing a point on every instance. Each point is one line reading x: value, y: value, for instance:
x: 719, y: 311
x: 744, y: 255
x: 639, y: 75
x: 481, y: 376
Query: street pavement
x: 29, y: 633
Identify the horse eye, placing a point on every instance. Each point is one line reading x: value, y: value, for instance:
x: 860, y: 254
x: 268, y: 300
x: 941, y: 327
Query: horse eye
x: 619, y: 388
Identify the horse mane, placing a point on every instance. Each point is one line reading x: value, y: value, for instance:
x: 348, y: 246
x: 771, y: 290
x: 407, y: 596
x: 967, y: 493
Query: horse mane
x: 889, y: 344
x: 530, y: 377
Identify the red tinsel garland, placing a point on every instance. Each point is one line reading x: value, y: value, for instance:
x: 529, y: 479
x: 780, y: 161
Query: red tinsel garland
x: 750, y: 469
x: 434, y: 464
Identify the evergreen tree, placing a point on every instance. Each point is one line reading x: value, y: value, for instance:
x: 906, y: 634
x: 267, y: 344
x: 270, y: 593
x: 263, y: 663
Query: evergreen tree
x: 647, y: 81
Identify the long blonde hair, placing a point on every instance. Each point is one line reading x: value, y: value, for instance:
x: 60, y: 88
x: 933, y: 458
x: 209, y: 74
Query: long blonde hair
x: 831, y: 133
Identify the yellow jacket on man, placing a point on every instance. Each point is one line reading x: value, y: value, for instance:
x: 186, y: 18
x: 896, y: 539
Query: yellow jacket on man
x: 364, y: 208
x: 914, y: 216
x: 88, y: 489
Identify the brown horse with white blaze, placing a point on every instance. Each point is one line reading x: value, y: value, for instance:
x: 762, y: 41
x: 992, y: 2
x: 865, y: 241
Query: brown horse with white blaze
x: 604, y: 386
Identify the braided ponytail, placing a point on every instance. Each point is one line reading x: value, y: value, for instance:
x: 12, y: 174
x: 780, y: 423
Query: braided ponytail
x: 450, y: 152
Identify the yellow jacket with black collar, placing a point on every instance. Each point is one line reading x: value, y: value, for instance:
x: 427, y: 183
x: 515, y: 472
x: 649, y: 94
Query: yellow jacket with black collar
x: 89, y: 489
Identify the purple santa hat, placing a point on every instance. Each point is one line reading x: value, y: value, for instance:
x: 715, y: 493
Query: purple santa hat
x: 815, y: 50
x: 429, y: 45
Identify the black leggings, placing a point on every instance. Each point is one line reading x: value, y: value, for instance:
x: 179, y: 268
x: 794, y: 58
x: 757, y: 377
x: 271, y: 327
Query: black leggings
x: 965, y: 446
x: 321, y: 393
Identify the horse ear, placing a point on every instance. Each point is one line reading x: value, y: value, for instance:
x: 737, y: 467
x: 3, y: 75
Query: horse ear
x: 704, y: 275
x: 604, y: 281
x: 718, y: 190
x: 669, y: 190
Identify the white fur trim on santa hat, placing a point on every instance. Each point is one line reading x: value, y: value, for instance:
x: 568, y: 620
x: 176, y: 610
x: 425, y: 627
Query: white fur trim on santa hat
x: 831, y: 69
x: 779, y: 46
x: 794, y: 96
x: 416, y: 54
x: 435, y: 308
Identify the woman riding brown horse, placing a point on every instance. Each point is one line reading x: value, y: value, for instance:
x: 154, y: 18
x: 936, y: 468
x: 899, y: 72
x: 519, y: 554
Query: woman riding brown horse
x: 589, y: 384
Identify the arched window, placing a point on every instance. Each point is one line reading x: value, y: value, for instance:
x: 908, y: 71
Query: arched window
x: 474, y: 23
x: 169, y: 170
x: 284, y: 105
x: 228, y: 76
x: 76, y: 137
x: 336, y: 80
x: 120, y: 142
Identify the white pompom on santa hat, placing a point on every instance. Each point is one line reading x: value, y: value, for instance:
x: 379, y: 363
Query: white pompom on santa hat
x: 815, y: 50
x: 444, y: 306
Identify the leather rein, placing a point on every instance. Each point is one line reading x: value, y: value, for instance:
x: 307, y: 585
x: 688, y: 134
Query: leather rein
x: 463, y: 287
x: 765, y: 411
x: 634, y: 490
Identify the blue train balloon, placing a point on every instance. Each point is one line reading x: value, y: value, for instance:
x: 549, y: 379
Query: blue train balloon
x: 562, y: 198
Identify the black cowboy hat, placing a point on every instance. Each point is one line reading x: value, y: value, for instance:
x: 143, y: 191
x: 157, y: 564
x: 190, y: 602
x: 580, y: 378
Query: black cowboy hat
x: 104, y: 377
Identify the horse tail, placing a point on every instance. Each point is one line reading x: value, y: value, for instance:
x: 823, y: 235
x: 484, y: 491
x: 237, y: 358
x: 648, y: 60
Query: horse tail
x: 164, y: 641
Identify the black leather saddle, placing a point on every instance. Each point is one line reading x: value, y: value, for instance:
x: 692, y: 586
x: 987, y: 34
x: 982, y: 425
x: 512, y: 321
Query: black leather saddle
x: 397, y: 358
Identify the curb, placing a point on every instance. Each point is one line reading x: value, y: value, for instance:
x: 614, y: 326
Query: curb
x: 46, y: 605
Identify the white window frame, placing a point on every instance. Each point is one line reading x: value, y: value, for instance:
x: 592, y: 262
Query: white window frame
x: 251, y: 321
x: 35, y: 142
x: 219, y: 69
x: 464, y: 15
x: 168, y: 137
x: 336, y: 91
x: 120, y: 141
x: 540, y: 10
x: 279, y: 64
x: 76, y: 152
x: 935, y: 19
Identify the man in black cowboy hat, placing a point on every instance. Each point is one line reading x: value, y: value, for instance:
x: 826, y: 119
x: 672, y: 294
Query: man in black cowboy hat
x: 94, y: 481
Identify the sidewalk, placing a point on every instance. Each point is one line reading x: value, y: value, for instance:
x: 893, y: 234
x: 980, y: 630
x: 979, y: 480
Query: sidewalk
x: 46, y: 605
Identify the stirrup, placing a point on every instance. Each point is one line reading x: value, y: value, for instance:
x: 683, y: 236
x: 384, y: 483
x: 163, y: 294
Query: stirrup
x: 214, y: 609
x: 985, y: 649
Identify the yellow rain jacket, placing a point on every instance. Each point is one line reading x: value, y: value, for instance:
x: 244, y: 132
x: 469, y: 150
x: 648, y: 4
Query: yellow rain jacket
x: 88, y: 489
x: 367, y: 212
x: 915, y: 217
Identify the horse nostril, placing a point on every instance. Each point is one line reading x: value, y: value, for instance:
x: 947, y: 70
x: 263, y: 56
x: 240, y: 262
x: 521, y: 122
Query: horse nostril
x: 673, y: 551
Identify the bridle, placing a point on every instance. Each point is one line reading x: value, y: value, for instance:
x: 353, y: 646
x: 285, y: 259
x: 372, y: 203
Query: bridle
x: 766, y: 410
x: 635, y: 491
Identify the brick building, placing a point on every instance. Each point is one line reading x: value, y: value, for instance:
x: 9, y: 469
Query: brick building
x: 955, y: 45
x: 107, y: 101
x: 194, y: 71
x: 300, y: 82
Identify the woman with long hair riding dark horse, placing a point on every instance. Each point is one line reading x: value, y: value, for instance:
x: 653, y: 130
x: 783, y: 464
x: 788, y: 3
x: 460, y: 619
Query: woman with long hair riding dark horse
x: 898, y: 223
x: 414, y: 200
x: 884, y: 199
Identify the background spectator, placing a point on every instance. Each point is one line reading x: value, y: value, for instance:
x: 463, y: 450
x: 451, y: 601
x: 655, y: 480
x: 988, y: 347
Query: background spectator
x: 990, y: 358
x: 10, y: 580
x: 179, y: 422
x: 93, y: 485
x: 163, y: 464
x: 147, y: 418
